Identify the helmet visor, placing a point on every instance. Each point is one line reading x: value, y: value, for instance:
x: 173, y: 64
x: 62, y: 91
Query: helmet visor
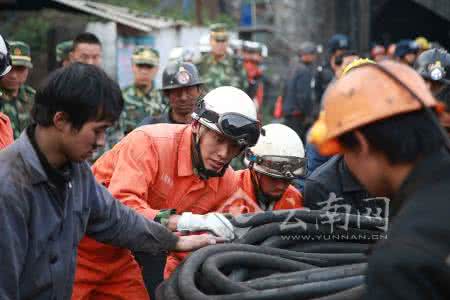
x: 5, y: 64
x: 245, y: 131
x: 289, y: 167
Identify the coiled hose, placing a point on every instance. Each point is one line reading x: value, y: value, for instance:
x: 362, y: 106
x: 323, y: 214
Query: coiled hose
x: 267, y: 262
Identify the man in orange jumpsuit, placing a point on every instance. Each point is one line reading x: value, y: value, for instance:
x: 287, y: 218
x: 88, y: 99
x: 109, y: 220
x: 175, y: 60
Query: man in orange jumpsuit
x: 163, y: 171
x: 273, y: 163
x: 6, y: 133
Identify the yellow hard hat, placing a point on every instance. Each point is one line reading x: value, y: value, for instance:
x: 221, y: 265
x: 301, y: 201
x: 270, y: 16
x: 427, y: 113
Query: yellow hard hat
x: 423, y: 43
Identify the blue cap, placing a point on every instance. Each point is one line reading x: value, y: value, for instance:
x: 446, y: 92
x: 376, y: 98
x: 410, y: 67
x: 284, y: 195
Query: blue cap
x: 338, y: 42
x: 404, y: 47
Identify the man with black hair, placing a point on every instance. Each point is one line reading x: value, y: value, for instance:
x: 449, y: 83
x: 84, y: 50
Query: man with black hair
x: 390, y: 135
x: 87, y: 49
x: 49, y: 198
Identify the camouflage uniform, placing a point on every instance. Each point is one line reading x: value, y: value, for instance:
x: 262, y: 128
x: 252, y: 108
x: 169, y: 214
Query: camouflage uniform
x: 18, y: 108
x: 227, y: 71
x: 139, y: 104
x: 62, y: 51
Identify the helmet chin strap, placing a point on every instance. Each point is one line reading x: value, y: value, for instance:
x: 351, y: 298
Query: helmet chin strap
x: 262, y: 197
x: 197, y: 161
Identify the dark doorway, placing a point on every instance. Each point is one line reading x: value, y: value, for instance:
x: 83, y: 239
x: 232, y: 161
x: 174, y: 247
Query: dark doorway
x: 400, y: 19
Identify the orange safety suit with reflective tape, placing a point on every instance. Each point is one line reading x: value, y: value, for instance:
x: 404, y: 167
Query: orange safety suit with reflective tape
x: 149, y: 170
x: 6, y: 132
x: 247, y: 202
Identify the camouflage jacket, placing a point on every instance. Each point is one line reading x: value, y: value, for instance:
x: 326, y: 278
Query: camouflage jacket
x: 18, y: 108
x: 138, y: 105
x: 228, y: 71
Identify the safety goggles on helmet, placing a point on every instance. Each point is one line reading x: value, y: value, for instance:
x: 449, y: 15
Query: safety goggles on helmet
x: 245, y: 131
x: 288, y: 167
x: 5, y: 63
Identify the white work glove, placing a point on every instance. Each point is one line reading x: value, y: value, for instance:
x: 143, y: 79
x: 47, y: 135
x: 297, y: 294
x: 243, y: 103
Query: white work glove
x: 214, y: 222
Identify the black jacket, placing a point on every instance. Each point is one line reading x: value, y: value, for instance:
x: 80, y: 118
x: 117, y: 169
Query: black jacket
x: 333, y: 179
x: 414, y: 262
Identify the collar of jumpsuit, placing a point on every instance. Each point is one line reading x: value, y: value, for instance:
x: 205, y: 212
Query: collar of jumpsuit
x: 248, y: 202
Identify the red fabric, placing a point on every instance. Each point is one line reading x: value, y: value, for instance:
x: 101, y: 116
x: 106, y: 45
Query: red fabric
x: 119, y: 279
x: 278, y: 111
x: 252, y: 69
x: 253, y: 73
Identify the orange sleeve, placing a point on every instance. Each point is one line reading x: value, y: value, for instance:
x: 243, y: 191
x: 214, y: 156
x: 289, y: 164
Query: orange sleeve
x: 6, y: 132
x: 172, y: 263
x: 135, y: 167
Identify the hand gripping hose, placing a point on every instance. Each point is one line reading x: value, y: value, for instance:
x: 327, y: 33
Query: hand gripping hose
x: 267, y: 262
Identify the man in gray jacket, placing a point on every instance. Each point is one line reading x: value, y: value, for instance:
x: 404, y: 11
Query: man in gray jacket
x: 49, y: 198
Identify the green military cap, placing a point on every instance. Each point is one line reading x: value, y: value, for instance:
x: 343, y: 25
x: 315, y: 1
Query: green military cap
x: 143, y: 55
x: 219, y: 31
x: 20, y: 54
x: 63, y: 49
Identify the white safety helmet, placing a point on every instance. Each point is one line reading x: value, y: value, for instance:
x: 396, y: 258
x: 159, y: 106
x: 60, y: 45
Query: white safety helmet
x: 230, y: 112
x: 279, y: 153
x: 184, y: 54
x: 175, y: 54
x: 5, y: 58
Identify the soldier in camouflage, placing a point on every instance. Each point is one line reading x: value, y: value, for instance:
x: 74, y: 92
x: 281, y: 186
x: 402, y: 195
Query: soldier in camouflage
x: 218, y: 68
x: 142, y: 99
x: 63, y: 50
x: 16, y: 98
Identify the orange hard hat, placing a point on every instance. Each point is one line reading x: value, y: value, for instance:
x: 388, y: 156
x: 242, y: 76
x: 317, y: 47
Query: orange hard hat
x: 366, y: 95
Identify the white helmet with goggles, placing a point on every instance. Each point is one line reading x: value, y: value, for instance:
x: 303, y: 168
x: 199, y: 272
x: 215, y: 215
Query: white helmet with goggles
x: 279, y: 153
x: 229, y: 111
x: 5, y: 58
